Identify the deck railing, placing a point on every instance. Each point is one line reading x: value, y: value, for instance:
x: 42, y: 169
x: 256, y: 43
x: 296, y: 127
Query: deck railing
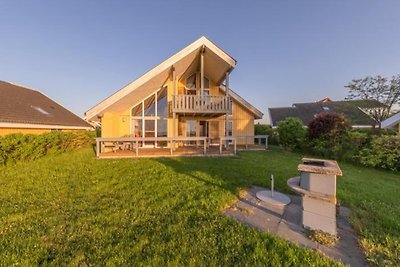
x: 201, y: 104
x: 257, y: 139
x: 206, y: 144
x: 134, y: 143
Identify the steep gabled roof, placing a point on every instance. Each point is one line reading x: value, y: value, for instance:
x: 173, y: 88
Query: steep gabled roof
x: 161, y: 72
x: 24, y: 106
x: 306, y: 112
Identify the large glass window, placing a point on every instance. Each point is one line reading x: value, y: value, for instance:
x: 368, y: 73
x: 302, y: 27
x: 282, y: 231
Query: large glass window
x: 137, y: 110
x: 162, y: 103
x: 191, y: 81
x: 190, y: 128
x: 150, y: 106
x: 149, y: 118
x: 162, y: 125
x: 137, y: 130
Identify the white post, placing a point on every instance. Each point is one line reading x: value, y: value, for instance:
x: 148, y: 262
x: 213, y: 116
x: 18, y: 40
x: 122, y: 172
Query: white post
x: 172, y: 144
x: 272, y: 185
x: 202, y: 72
x: 227, y: 105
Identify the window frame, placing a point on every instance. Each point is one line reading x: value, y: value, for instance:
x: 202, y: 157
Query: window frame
x: 155, y: 118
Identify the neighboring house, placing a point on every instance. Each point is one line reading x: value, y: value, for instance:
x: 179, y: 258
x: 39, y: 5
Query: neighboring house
x: 392, y: 122
x: 184, y: 96
x: 24, y: 110
x: 354, y: 110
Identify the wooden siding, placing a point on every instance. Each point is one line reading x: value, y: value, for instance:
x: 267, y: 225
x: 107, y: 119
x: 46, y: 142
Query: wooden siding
x: 118, y: 125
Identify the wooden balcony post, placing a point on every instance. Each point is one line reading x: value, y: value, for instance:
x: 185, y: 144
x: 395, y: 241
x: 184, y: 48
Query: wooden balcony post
x: 202, y: 71
x: 227, y: 105
x: 173, y: 113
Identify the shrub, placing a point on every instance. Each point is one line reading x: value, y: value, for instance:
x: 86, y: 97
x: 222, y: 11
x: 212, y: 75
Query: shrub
x: 383, y: 152
x: 291, y: 133
x: 264, y: 129
x: 16, y: 147
x: 328, y: 133
x: 353, y: 143
x: 328, y: 125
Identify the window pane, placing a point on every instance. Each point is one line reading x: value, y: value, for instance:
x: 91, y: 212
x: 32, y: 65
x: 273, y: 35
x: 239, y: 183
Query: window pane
x: 162, y: 103
x: 230, y: 128
x: 191, y: 92
x: 150, y: 106
x: 137, y: 130
x: 190, y: 128
x: 206, y: 92
x: 191, y: 81
x: 206, y: 83
x: 162, y: 128
x: 149, y: 128
x: 137, y: 110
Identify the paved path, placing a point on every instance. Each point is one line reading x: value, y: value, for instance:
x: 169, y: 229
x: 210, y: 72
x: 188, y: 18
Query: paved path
x: 286, y: 223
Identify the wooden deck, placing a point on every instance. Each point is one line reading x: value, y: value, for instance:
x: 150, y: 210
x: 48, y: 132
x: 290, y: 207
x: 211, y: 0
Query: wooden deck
x: 186, y: 151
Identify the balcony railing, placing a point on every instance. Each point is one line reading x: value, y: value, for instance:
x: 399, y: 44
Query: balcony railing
x: 201, y: 104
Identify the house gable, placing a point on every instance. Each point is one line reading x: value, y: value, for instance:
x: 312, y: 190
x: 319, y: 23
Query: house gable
x: 159, y: 76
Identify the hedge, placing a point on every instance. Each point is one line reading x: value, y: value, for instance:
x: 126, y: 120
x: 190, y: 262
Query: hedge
x: 16, y: 147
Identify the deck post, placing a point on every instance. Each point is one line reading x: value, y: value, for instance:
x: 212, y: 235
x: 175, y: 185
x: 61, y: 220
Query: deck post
x: 220, y: 146
x: 171, y: 150
x: 205, y: 146
x: 137, y: 148
x: 97, y: 148
x: 234, y: 146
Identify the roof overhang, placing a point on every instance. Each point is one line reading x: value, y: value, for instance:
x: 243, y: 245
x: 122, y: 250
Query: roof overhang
x: 217, y: 63
x: 256, y: 112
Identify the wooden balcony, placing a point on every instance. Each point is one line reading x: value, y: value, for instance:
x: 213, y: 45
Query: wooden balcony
x: 201, y: 104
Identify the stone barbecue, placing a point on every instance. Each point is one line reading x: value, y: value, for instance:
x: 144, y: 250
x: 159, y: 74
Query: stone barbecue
x: 317, y: 186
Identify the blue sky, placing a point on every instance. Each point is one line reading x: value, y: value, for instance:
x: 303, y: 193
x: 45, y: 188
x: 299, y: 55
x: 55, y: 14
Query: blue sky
x: 79, y: 52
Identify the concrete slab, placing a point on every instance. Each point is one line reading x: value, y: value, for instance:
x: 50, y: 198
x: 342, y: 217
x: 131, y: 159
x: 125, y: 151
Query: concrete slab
x: 286, y: 222
x: 276, y: 199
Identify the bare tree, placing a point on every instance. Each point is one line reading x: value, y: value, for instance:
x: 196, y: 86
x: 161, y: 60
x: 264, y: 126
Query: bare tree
x: 376, y: 88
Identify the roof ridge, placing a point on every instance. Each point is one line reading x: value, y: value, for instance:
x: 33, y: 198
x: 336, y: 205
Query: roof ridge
x: 20, y: 85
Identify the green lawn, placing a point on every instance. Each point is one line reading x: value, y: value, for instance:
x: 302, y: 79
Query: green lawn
x: 75, y: 209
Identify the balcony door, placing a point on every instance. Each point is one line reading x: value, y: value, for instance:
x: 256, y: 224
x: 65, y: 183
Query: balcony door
x: 191, y: 130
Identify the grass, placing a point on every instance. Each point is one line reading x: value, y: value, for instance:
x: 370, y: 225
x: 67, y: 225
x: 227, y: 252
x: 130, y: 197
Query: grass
x: 74, y: 209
